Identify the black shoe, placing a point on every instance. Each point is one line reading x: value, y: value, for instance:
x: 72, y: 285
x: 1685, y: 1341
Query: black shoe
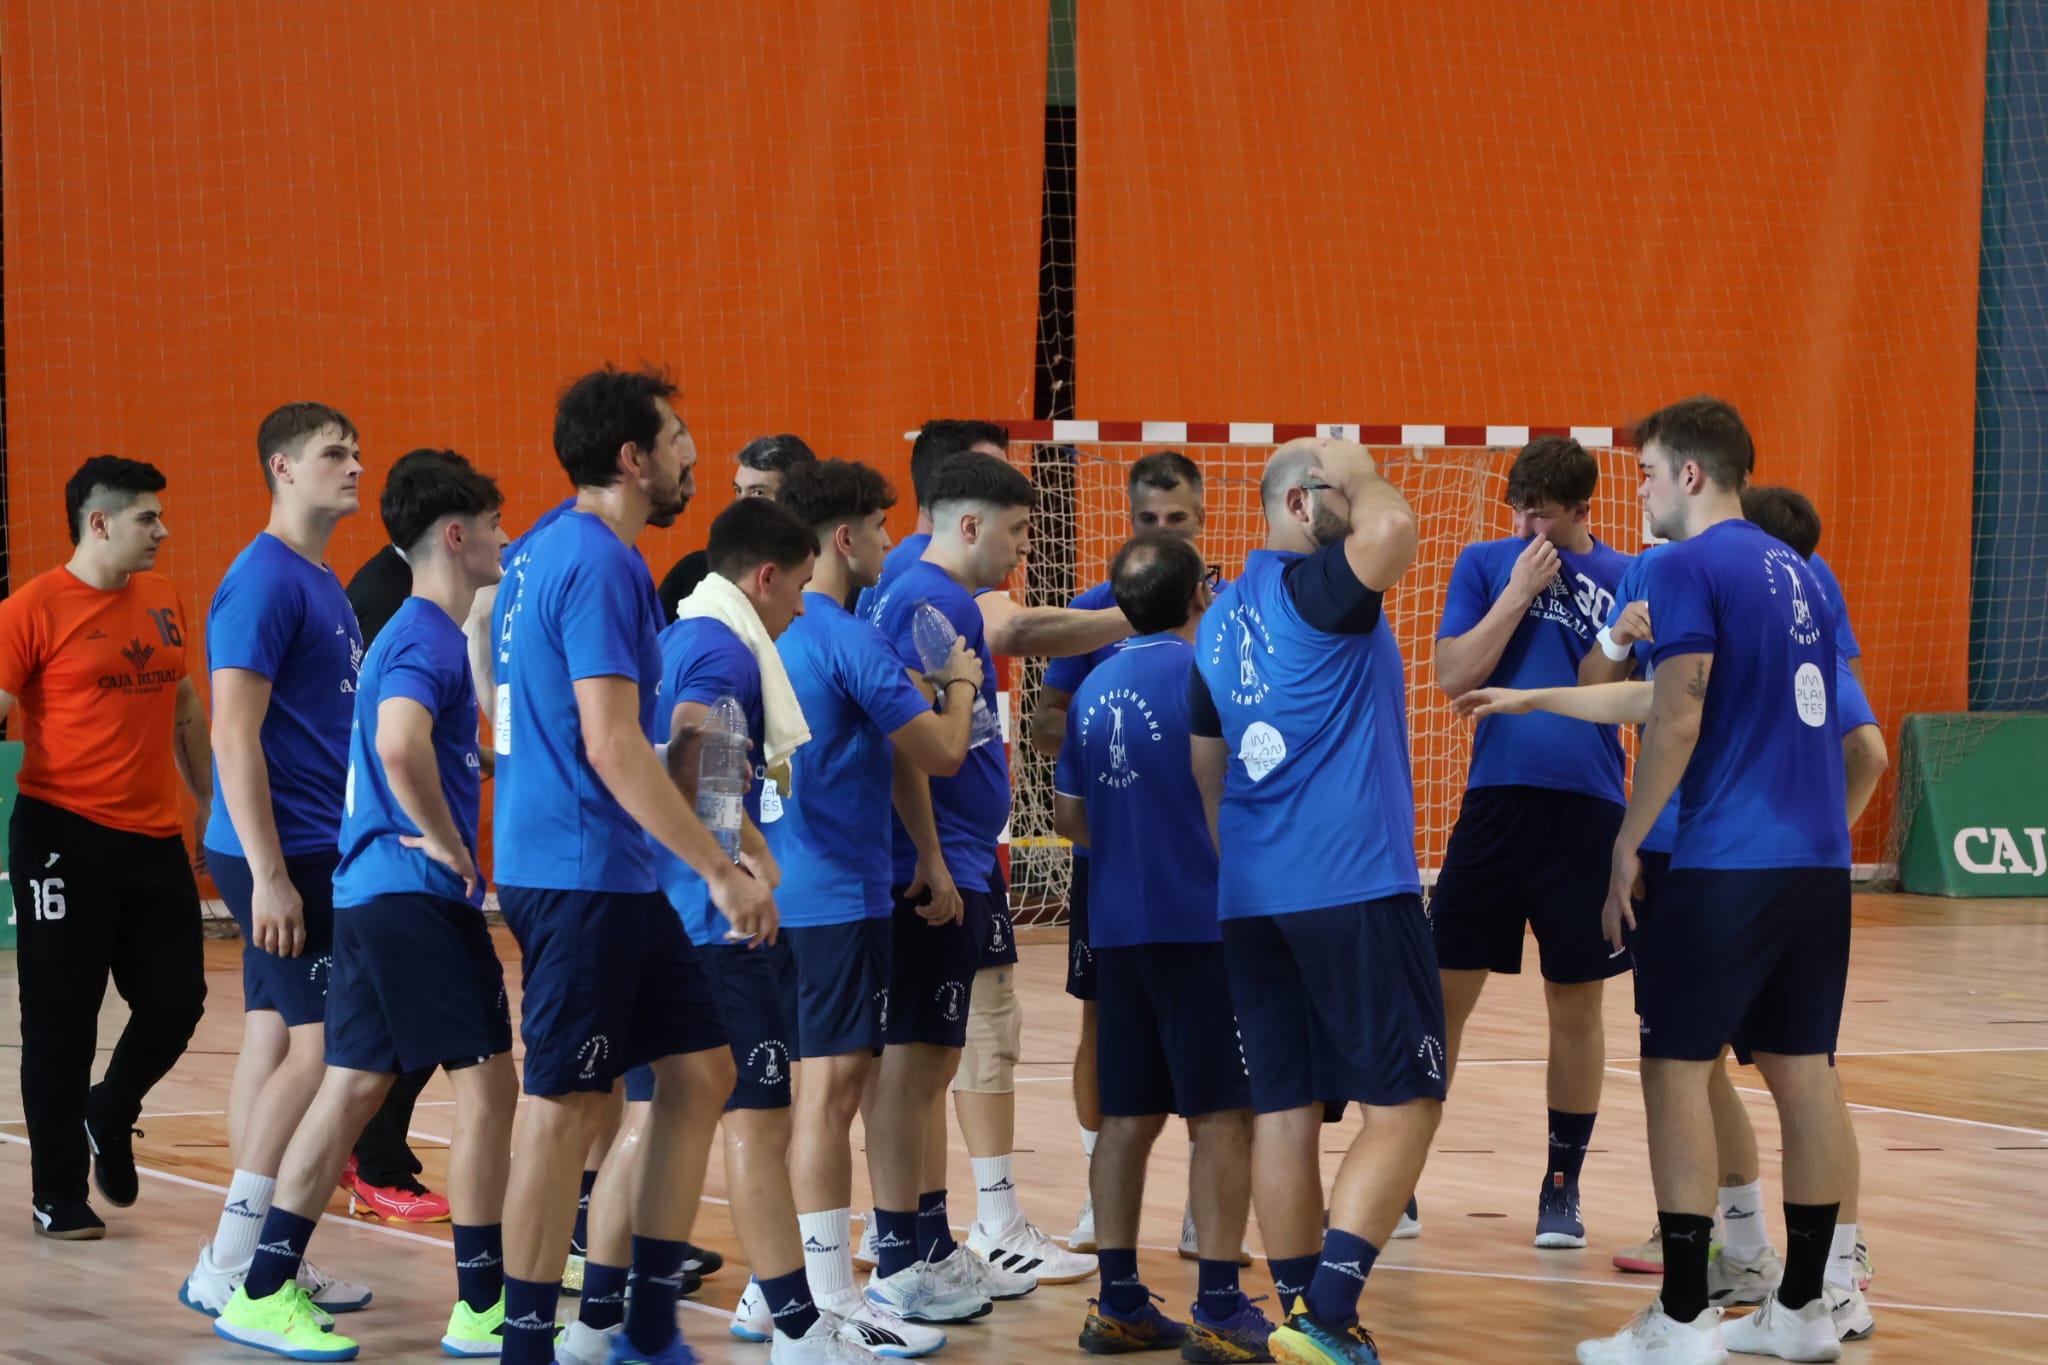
x: 692, y: 1282
x: 69, y: 1220
x: 113, y: 1158
x: 700, y: 1261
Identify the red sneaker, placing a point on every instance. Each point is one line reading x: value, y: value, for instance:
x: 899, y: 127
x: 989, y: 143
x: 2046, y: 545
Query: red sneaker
x: 410, y: 1202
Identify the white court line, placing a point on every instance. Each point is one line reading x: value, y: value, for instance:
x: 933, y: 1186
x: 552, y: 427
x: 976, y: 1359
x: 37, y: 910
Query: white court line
x: 1881, y: 1109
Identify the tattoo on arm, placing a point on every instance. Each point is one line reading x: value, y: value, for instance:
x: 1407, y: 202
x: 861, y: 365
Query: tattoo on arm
x: 1697, y: 687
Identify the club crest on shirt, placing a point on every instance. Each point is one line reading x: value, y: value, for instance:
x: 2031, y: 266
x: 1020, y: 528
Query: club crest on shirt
x: 1805, y: 626
x: 1242, y: 634
x: 355, y: 657
x: 1130, y: 720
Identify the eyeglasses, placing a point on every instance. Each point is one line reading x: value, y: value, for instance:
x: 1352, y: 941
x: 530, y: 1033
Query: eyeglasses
x: 1214, y: 578
x: 1316, y: 487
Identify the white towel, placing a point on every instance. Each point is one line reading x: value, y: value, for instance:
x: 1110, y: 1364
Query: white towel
x: 782, y: 717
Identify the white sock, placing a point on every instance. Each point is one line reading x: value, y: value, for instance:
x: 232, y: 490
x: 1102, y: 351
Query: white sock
x: 995, y: 1193
x: 241, y: 1219
x: 1743, y: 1230
x: 828, y: 1254
x: 1842, y: 1257
x: 1088, y: 1136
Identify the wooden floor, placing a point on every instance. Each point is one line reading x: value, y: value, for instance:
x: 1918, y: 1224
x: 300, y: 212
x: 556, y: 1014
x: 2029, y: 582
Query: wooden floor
x: 1945, y: 1056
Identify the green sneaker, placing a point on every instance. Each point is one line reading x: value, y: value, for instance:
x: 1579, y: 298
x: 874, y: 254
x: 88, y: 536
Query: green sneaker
x: 471, y: 1333
x: 283, y: 1324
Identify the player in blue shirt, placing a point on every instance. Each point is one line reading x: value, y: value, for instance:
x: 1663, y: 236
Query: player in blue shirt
x: 1299, y: 717
x: 1543, y: 798
x: 1749, y: 942
x: 1168, y: 1042
x: 611, y: 981
x: 416, y: 982
x: 283, y: 651
x: 868, y: 717
x: 937, y: 441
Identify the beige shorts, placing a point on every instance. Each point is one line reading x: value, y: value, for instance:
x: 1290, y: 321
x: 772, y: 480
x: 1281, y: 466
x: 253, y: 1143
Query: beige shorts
x: 995, y: 1030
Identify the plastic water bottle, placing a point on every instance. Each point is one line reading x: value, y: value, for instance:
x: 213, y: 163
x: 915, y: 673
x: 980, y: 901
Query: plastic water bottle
x: 723, y: 772
x: 935, y: 635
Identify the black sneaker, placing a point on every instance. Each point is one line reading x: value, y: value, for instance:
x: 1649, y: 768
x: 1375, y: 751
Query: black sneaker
x: 701, y: 1261
x: 69, y: 1220
x: 113, y: 1158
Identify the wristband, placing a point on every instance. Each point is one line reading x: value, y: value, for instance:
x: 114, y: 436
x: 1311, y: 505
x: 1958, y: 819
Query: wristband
x: 1610, y: 648
x: 961, y: 681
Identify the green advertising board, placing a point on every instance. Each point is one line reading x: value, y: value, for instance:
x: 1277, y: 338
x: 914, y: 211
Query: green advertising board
x: 10, y: 768
x: 1973, y: 805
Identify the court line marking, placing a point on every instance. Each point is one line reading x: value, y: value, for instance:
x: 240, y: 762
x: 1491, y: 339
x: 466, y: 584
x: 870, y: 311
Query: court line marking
x: 1882, y: 1109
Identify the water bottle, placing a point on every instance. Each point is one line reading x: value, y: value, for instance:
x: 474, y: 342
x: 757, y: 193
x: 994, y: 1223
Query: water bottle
x: 723, y: 771
x: 935, y: 635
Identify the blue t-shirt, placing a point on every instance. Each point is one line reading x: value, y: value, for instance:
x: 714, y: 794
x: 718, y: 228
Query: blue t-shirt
x: 701, y: 661
x: 906, y: 552
x: 1635, y: 587
x: 1540, y: 749
x: 1845, y: 637
x: 1126, y: 755
x: 1764, y: 787
x: 972, y: 806
x: 421, y: 655
x: 832, y: 836
x: 1066, y: 675
x: 1318, y: 800
x: 284, y: 618
x: 577, y: 603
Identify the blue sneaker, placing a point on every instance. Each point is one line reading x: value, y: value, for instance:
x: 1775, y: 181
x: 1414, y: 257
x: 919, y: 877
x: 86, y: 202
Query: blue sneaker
x: 1110, y: 1333
x: 1557, y: 1216
x: 675, y: 1353
x: 1241, y: 1336
x: 1304, y: 1341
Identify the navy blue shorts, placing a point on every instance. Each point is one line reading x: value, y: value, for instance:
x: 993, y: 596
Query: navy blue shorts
x: 1757, y: 958
x: 931, y: 971
x: 1655, y: 868
x: 1166, y: 1038
x: 296, y: 987
x: 999, y: 936
x: 416, y: 984
x: 1080, y: 957
x: 609, y: 981
x: 1528, y: 855
x: 757, y: 1000
x: 1338, y: 1004
x: 842, y: 986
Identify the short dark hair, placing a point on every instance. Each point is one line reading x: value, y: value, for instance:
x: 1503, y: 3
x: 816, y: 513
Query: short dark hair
x: 109, y: 474
x: 776, y: 454
x: 756, y: 531
x: 1785, y: 513
x: 603, y: 411
x: 1154, y: 577
x: 971, y: 476
x: 1705, y: 430
x: 940, y: 439
x: 427, y: 485
x: 1165, y: 470
x: 827, y: 493
x: 293, y: 423
x: 1552, y: 469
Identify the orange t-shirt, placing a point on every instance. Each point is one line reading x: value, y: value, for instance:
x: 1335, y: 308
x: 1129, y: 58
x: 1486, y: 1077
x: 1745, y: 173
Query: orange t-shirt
x: 95, y: 680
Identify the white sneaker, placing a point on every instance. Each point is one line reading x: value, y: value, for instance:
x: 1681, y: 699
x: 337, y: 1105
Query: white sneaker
x: 208, y: 1288
x: 1805, y: 1333
x: 868, y: 1324
x: 1850, y: 1310
x: 824, y: 1344
x: 965, y: 1270
x: 1023, y: 1248
x: 1653, y: 1338
x: 752, y: 1321
x: 580, y: 1345
x: 1736, y: 1280
x: 329, y: 1294
x: 1082, y: 1238
x: 1191, y: 1245
x: 1410, y: 1224
x: 864, y: 1257
x: 921, y: 1294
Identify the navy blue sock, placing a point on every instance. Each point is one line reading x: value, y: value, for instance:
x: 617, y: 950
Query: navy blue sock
x: 1291, y: 1275
x: 1340, y: 1277
x: 1569, y: 1134
x: 1687, y: 1239
x: 479, y: 1264
x: 1218, y: 1294
x: 895, y: 1241
x: 581, y: 1237
x: 789, y: 1301
x: 280, y: 1246
x: 934, y: 1234
x: 530, y: 1322
x: 604, y: 1296
x: 657, y: 1284
x: 1123, y: 1293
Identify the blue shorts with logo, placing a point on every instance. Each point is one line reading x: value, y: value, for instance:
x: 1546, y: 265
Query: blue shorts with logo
x: 296, y: 987
x: 842, y: 985
x: 931, y: 971
x: 1338, y: 1004
x: 609, y: 981
x: 999, y: 936
x: 1081, y: 975
x: 1166, y: 1037
x: 416, y: 984
x: 1528, y: 855
x: 756, y: 989
x: 1756, y: 958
